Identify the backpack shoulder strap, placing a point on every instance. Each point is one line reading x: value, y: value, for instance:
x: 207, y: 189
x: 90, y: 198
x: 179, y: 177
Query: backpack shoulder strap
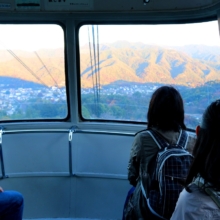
x: 162, y: 143
x: 183, y: 139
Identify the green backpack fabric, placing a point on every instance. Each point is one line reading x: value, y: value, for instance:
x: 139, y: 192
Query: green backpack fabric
x: 215, y: 195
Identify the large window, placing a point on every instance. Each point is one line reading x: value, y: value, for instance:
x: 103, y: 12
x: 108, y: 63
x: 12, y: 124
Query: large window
x: 32, y: 76
x: 121, y: 65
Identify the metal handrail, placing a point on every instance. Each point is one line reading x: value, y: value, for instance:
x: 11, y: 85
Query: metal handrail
x: 66, y: 174
x: 35, y: 131
x: 74, y: 129
x: 104, y: 132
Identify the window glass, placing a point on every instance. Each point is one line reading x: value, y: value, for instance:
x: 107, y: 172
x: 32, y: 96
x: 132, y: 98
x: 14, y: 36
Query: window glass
x: 32, y: 75
x: 121, y: 65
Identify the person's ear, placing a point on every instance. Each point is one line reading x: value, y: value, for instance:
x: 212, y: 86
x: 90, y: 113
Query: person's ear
x: 197, y: 130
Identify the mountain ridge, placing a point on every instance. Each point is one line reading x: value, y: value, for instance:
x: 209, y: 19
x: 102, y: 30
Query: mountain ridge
x: 192, y: 65
x: 147, y: 63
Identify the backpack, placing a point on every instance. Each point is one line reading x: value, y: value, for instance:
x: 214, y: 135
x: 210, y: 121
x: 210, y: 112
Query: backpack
x: 171, y: 169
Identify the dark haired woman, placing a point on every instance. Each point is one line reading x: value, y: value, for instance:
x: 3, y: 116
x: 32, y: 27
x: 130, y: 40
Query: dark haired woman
x: 201, y: 197
x: 166, y: 116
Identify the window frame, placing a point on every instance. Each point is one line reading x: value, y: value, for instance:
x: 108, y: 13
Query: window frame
x: 63, y: 27
x: 122, y: 22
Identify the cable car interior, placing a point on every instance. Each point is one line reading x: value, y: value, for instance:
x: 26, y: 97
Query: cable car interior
x: 76, y: 77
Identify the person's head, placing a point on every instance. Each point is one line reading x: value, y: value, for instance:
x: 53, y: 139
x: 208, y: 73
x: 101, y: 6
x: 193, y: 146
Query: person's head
x: 166, y: 111
x: 207, y: 147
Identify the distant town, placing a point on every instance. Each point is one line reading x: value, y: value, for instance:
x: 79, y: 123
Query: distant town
x: 12, y: 98
x: 125, y: 90
x: 116, y: 101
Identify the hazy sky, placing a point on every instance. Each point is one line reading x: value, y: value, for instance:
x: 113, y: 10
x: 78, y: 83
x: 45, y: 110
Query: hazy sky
x: 173, y: 35
x: 34, y: 37
x: 31, y: 37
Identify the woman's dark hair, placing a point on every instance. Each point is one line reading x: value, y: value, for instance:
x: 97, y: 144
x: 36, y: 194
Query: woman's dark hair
x: 166, y: 111
x: 207, y: 148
